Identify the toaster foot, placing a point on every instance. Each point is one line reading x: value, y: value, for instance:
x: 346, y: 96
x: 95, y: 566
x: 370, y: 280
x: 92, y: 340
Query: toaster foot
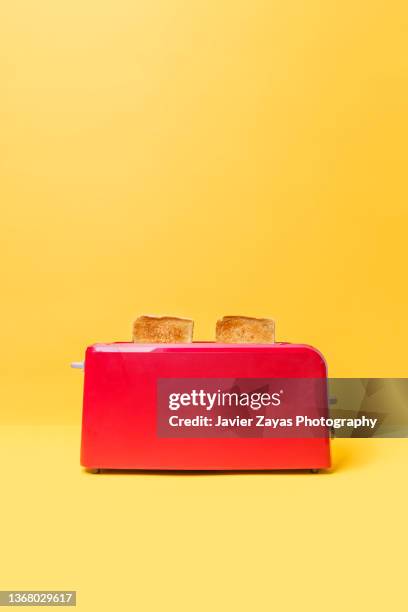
x: 314, y: 471
x: 94, y: 470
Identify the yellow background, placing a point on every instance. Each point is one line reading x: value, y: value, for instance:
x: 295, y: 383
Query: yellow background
x: 200, y: 158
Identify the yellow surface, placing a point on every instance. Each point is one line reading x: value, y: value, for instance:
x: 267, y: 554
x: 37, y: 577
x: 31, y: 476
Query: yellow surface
x: 200, y: 158
x: 157, y: 542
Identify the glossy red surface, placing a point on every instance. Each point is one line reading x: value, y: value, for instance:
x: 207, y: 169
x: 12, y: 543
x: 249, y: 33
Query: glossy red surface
x: 119, y: 410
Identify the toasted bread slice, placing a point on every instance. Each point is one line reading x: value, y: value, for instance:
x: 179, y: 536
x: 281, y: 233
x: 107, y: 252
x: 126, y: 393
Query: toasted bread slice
x: 151, y: 329
x: 232, y: 330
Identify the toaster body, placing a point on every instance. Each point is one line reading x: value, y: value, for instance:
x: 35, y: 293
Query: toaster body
x: 120, y: 407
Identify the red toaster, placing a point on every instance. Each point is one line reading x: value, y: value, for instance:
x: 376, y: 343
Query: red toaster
x: 126, y: 415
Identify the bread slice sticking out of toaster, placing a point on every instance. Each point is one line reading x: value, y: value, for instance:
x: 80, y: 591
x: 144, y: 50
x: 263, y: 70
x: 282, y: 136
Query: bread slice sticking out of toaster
x: 166, y: 402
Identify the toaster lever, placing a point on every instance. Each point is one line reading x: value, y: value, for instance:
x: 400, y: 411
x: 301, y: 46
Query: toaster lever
x: 77, y: 365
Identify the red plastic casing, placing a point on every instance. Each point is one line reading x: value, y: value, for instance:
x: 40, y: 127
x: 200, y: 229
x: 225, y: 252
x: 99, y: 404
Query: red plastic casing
x: 119, y: 409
